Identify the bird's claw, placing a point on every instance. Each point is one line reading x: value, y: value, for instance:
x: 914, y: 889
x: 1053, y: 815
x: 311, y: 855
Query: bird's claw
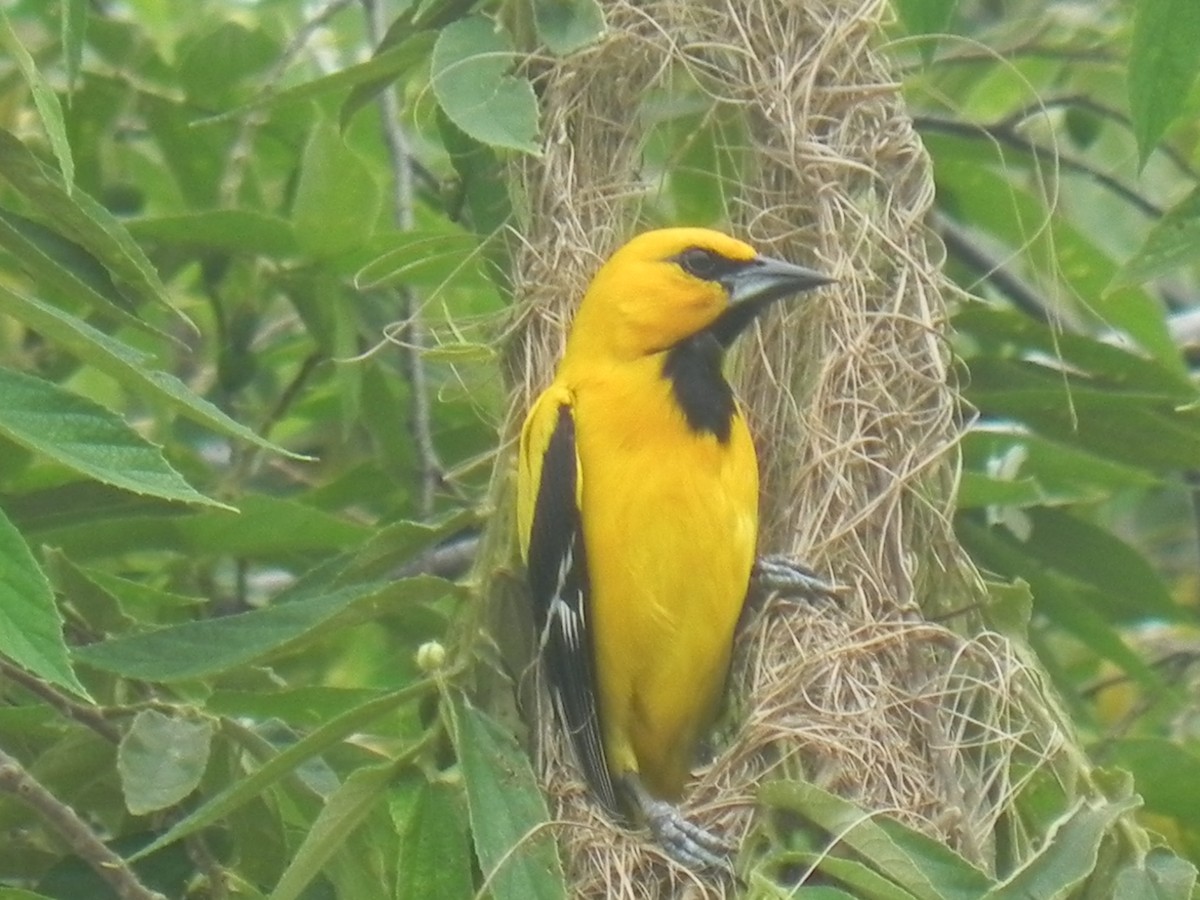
x: 794, y: 579
x: 686, y: 842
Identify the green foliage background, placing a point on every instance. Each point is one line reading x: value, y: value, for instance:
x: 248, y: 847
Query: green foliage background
x: 254, y: 276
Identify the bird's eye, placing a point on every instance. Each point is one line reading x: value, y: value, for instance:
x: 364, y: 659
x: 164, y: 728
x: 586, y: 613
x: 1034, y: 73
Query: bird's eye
x: 702, y: 263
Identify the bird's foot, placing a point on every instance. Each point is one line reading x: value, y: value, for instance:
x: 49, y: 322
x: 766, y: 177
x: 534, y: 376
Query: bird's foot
x: 684, y: 841
x: 793, y: 579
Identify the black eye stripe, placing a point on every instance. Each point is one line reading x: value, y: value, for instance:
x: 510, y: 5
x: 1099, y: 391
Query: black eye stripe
x: 707, y: 264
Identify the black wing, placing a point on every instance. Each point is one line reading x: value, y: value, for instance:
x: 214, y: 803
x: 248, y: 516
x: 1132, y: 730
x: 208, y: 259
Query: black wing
x: 558, y: 579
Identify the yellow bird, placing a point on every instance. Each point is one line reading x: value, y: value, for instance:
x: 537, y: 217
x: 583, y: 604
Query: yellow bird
x: 638, y: 515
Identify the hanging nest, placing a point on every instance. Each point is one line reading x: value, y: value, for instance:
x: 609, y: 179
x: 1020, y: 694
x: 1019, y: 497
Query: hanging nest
x: 855, y: 417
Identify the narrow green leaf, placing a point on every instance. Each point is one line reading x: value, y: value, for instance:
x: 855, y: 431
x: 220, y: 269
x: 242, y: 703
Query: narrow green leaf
x: 1160, y: 876
x: 130, y: 367
x: 435, y: 853
x: 1007, y: 333
x: 922, y: 17
x: 567, y: 25
x: 508, y: 814
x: 337, y: 200
x: 387, y: 66
x: 1060, y: 474
x: 1058, y: 248
x: 82, y: 220
x: 401, y: 57
x: 30, y: 624
x: 1167, y: 775
x: 1068, y: 854
x: 1138, y: 428
x: 286, y: 763
x: 206, y: 647
x: 343, y: 813
x: 74, y: 29
x: 44, y: 98
x: 161, y: 760
x: 1163, y: 65
x: 1173, y: 242
x: 919, y: 864
x: 423, y: 257
x: 1096, y: 557
x: 302, y: 707
x: 242, y: 231
x: 62, y: 267
x: 87, y: 439
x: 469, y: 69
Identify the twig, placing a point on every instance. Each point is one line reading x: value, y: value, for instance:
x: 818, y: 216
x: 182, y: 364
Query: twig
x: 17, y: 782
x: 200, y: 854
x: 1003, y: 133
x: 242, y: 148
x: 412, y: 334
x: 989, y: 269
x: 72, y: 709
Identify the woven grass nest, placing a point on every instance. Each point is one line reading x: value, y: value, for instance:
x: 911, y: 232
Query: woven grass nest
x: 854, y: 414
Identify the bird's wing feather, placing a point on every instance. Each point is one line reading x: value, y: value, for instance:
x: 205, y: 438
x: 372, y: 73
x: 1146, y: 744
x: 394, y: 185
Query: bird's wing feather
x: 553, y: 543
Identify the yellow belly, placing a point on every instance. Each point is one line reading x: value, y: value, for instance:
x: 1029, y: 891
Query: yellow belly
x: 670, y: 524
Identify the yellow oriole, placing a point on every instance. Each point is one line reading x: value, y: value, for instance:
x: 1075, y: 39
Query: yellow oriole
x: 638, y: 514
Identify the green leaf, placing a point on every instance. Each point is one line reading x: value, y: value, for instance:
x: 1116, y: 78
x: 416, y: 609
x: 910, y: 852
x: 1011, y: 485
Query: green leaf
x: 1060, y: 251
x: 161, y: 760
x: 343, y: 813
x: 1060, y: 473
x: 1167, y: 775
x: 385, y: 67
x: 567, y: 25
x: 1068, y: 854
x: 517, y: 853
x: 424, y: 257
x: 920, y: 865
x: 63, y: 267
x: 302, y: 707
x: 87, y: 439
x: 1094, y: 556
x: 287, y: 762
x: 435, y: 853
x: 337, y: 200
x: 1160, y: 876
x: 1173, y: 242
x: 393, y: 60
x: 74, y: 29
x: 1163, y: 65
x: 207, y: 647
x: 1139, y: 428
x: 132, y: 368
x: 926, y: 17
x: 1007, y: 333
x: 469, y: 77
x: 30, y: 624
x: 44, y: 99
x: 81, y: 219
x: 241, y: 231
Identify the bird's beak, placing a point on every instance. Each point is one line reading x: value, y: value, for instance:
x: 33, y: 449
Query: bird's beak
x: 754, y: 286
x: 766, y: 279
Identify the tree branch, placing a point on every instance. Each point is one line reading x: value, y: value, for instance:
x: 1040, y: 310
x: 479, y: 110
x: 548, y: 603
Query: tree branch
x: 242, y: 148
x: 72, y: 709
x: 412, y: 331
x: 17, y: 782
x: 1004, y: 133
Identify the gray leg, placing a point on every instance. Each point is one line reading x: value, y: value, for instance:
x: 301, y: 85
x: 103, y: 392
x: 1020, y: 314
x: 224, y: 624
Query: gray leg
x: 779, y: 573
x: 685, y: 842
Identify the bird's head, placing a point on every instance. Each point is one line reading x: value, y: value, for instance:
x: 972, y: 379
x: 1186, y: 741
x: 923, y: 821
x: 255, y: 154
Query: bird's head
x: 666, y: 286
